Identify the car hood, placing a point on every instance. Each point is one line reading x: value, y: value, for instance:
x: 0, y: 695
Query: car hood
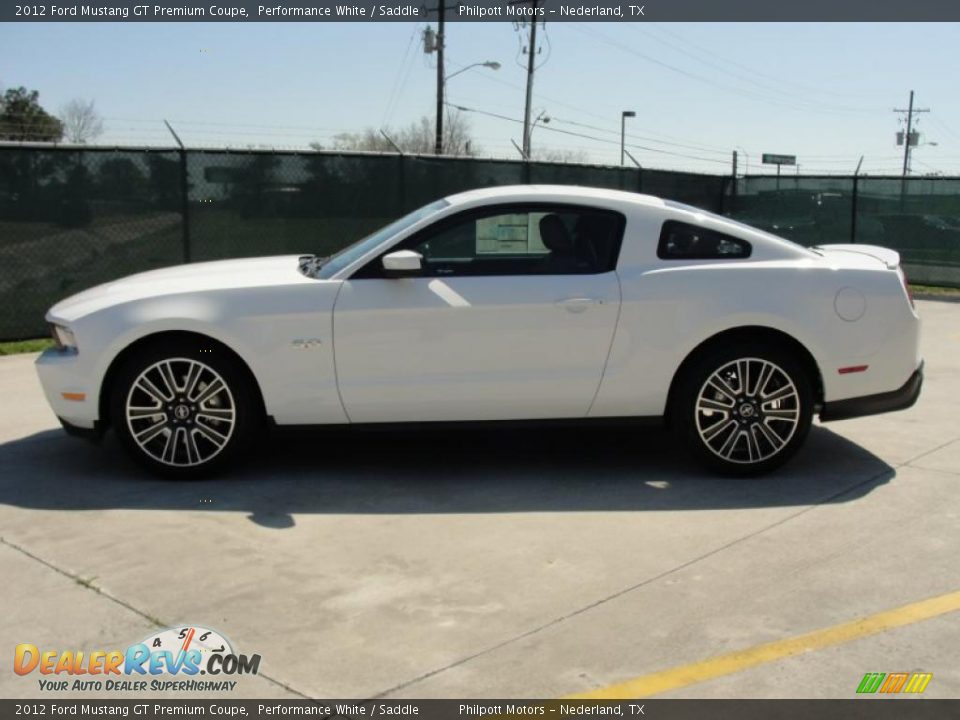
x: 196, y: 277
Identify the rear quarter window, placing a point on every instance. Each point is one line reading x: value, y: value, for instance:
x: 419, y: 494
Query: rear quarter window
x: 684, y: 241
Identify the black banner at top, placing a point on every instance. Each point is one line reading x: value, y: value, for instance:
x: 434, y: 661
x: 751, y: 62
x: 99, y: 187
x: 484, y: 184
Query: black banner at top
x: 147, y: 709
x: 485, y: 11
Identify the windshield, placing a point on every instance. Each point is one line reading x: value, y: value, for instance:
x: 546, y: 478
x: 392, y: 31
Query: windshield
x: 357, y: 250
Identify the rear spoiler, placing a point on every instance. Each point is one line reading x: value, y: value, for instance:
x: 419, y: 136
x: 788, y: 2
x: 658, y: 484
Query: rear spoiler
x: 890, y: 258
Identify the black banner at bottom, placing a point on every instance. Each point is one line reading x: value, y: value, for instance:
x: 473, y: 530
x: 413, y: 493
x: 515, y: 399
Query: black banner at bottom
x: 873, y: 708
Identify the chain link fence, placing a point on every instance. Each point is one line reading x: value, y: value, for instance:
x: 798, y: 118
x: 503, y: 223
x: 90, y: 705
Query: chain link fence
x: 72, y: 218
x: 919, y: 217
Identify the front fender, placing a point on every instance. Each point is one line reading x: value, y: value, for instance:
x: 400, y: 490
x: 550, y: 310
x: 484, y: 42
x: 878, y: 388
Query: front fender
x: 261, y: 325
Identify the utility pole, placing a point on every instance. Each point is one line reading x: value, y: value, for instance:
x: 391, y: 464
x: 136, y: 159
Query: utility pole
x: 906, y: 139
x: 910, y: 111
x: 733, y: 180
x: 441, y: 41
x: 531, y: 58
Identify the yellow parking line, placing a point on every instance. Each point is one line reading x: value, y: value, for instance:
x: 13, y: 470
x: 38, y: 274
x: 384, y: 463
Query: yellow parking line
x: 732, y: 662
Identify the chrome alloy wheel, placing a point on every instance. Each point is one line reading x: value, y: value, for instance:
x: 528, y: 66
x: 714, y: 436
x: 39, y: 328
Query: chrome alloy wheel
x: 747, y: 411
x: 180, y: 412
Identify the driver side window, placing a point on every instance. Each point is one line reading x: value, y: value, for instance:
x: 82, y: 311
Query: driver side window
x: 504, y: 244
x: 547, y: 240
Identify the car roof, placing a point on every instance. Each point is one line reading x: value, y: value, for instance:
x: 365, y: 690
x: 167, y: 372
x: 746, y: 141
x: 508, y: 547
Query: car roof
x: 566, y: 193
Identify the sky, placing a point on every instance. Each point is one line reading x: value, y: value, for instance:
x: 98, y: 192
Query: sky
x: 822, y: 92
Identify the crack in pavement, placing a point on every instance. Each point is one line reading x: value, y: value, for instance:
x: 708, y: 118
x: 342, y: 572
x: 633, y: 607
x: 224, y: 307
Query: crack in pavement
x: 153, y: 621
x: 928, y: 452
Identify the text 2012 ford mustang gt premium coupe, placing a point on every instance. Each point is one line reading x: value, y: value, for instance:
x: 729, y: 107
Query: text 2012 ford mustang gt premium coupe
x: 511, y: 303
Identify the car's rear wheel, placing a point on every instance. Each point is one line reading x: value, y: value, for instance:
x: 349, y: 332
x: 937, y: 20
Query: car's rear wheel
x: 744, y: 410
x: 183, y: 409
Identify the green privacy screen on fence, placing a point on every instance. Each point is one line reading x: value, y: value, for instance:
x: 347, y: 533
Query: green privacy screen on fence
x: 72, y: 218
x: 919, y: 217
x: 922, y: 222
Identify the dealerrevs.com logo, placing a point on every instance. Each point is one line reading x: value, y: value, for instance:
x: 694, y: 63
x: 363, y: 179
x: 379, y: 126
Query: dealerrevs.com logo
x: 170, y: 660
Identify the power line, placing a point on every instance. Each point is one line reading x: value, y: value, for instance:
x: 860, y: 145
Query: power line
x: 712, y: 57
x: 939, y: 123
x: 925, y: 164
x: 753, y: 95
x: 221, y: 123
x: 555, y: 101
x: 554, y: 118
x: 403, y: 72
x: 588, y: 137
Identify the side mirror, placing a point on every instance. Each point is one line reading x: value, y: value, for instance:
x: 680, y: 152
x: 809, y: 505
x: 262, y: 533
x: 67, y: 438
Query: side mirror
x: 402, y: 263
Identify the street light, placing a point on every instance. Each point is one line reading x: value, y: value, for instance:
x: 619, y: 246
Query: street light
x: 492, y: 64
x: 623, y: 133
x: 441, y: 86
x: 541, y: 117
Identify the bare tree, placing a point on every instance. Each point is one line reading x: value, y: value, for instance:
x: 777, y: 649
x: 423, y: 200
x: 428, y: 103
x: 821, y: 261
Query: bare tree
x: 561, y: 155
x: 417, y: 138
x: 80, y: 121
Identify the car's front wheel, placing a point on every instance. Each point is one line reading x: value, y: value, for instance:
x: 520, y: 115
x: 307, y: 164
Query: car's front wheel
x: 183, y: 408
x: 744, y: 410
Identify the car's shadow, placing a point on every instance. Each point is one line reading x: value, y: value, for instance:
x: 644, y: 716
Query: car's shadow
x: 568, y: 469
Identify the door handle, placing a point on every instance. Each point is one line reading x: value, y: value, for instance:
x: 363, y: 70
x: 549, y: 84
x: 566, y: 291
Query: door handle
x: 578, y: 304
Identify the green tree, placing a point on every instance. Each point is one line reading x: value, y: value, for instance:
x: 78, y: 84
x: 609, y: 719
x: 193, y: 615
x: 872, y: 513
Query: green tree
x: 22, y: 118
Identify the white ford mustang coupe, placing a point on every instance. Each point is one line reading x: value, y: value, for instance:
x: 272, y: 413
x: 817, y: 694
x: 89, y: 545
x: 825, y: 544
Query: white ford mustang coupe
x: 510, y: 303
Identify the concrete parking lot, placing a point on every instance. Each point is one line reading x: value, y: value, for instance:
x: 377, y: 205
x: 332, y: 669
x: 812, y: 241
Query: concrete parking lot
x: 502, y: 563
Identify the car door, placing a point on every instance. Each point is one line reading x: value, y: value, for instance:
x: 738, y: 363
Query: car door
x: 511, y: 317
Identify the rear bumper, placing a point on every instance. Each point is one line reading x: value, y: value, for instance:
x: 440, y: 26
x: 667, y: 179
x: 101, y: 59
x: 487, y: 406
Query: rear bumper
x: 899, y: 399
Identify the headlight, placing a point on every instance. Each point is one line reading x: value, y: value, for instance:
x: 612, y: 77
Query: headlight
x: 63, y: 337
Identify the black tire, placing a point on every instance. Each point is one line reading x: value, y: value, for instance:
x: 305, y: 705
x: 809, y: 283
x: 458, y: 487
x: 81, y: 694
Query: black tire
x: 183, y: 438
x: 707, y: 418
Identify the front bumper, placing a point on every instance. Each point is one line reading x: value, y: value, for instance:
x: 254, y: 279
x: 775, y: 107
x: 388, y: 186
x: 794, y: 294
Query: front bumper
x: 66, y: 384
x: 899, y: 399
x: 94, y: 434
